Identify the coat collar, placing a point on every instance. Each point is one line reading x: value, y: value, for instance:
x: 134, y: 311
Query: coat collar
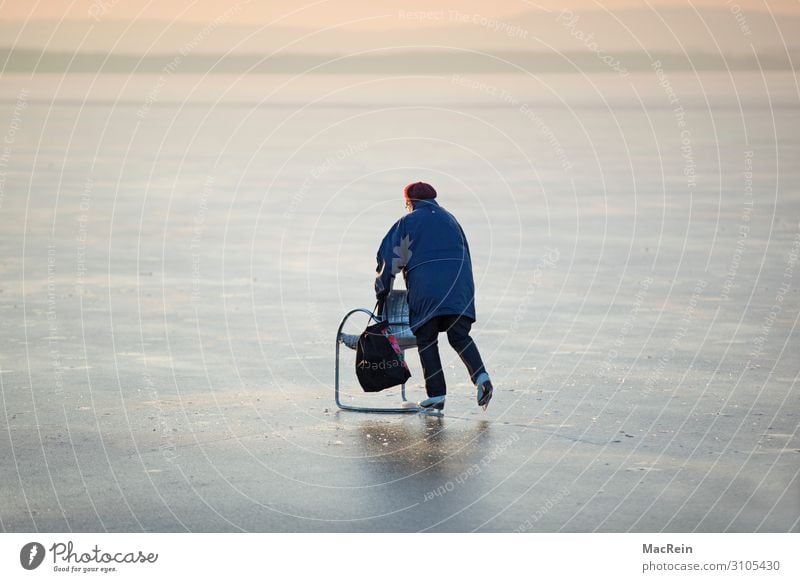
x: 418, y: 204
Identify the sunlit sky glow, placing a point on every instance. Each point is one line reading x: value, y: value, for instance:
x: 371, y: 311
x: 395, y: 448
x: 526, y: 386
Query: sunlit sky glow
x: 325, y: 12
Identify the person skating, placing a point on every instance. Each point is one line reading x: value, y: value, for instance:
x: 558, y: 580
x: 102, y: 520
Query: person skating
x: 429, y: 247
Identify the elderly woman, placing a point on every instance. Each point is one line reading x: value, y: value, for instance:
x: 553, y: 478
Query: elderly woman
x: 429, y: 247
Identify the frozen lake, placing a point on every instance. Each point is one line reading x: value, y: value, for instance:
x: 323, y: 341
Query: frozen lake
x: 177, y: 254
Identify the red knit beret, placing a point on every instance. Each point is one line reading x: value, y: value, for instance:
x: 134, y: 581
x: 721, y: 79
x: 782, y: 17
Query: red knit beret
x: 419, y: 191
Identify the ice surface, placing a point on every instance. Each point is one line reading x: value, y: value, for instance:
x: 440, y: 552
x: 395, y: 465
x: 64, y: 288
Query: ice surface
x: 174, y: 269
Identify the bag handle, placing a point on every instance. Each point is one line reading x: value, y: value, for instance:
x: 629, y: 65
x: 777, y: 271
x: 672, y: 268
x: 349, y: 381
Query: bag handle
x: 377, y: 311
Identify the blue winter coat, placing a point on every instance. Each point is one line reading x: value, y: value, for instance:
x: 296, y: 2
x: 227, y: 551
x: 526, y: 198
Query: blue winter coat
x: 429, y: 247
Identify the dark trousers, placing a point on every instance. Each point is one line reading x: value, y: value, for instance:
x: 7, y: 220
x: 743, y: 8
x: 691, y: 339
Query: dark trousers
x: 457, y: 328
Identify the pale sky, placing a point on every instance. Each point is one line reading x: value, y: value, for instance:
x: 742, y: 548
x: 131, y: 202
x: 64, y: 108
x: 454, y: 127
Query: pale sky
x: 324, y: 12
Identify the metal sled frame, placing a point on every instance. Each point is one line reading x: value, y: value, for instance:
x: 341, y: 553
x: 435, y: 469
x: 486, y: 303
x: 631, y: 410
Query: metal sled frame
x: 413, y: 409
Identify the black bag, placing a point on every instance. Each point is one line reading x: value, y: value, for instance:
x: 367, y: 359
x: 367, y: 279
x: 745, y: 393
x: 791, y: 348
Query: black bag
x: 379, y: 360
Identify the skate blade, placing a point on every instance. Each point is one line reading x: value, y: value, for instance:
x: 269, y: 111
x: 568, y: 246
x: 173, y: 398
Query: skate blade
x: 430, y: 412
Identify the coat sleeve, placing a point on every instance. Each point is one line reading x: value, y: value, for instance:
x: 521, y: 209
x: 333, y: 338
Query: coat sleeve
x: 390, y: 259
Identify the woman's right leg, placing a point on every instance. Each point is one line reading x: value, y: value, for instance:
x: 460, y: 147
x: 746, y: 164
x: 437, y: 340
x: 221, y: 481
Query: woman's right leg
x: 458, y: 328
